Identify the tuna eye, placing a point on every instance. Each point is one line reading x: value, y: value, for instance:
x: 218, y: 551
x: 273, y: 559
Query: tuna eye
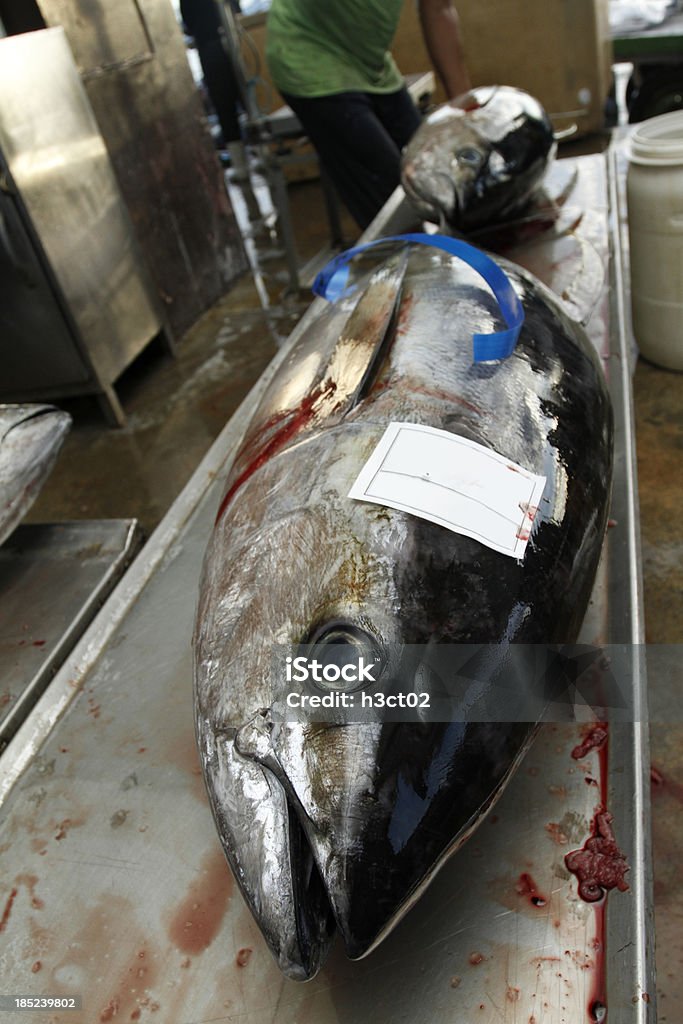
x: 349, y: 656
x: 468, y: 156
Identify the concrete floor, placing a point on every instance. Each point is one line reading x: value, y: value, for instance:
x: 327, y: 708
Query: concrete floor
x: 658, y: 398
x: 176, y: 407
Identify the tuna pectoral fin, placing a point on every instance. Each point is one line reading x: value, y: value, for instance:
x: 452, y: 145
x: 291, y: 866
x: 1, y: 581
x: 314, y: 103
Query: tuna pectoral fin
x: 363, y: 341
x: 269, y: 856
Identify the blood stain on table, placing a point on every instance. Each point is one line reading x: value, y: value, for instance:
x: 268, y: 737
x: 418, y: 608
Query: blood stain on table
x: 196, y: 921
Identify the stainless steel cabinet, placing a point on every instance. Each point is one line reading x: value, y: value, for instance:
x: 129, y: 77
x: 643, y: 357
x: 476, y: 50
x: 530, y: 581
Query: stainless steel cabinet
x: 76, y: 303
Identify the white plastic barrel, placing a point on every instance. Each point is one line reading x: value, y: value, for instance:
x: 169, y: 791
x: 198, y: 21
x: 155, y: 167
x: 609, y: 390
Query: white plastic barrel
x: 655, y: 217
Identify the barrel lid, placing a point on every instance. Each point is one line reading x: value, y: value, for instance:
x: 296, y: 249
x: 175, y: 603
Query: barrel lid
x: 658, y: 142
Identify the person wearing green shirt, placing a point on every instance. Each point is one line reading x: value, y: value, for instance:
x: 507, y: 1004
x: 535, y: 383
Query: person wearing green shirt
x: 332, y: 65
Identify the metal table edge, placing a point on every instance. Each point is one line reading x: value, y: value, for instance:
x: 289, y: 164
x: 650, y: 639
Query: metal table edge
x: 635, y: 919
x: 131, y: 543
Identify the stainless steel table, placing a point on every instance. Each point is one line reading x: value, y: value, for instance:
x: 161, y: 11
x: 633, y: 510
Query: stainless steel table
x: 113, y: 882
x: 54, y: 577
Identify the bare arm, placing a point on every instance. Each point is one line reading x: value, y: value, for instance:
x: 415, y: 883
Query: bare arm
x: 441, y: 30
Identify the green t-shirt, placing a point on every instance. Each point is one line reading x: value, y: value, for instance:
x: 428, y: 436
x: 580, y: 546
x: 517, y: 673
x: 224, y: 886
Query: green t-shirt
x: 320, y: 47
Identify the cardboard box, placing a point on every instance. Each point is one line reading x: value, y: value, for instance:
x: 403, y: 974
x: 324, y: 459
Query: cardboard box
x: 560, y: 51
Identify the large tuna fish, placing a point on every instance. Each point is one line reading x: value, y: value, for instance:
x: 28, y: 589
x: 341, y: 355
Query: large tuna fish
x: 30, y: 439
x: 341, y: 826
x: 477, y: 160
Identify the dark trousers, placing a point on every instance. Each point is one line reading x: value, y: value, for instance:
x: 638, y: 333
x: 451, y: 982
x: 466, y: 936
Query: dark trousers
x: 221, y: 85
x: 359, y: 137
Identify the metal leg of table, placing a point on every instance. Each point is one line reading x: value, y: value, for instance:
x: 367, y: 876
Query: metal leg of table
x: 273, y: 167
x: 168, y: 341
x: 111, y: 407
x: 278, y: 190
x: 332, y: 208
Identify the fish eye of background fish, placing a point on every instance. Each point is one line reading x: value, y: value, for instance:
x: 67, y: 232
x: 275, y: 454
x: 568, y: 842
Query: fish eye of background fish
x: 469, y: 156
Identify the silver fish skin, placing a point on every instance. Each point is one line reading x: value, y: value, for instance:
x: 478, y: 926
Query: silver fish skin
x: 30, y: 439
x: 341, y: 827
x: 477, y: 160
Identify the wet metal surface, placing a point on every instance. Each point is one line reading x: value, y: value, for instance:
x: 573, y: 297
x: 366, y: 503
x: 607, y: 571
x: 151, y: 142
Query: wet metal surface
x: 114, y: 886
x: 53, y: 579
x: 92, y: 917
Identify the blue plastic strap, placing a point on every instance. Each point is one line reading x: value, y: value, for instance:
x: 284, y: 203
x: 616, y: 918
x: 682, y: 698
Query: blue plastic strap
x: 331, y: 284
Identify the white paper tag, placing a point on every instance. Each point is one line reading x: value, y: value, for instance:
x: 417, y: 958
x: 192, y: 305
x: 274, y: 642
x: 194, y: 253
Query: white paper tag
x: 454, y: 482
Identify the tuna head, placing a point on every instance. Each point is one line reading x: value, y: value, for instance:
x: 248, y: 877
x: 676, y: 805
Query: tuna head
x: 476, y: 160
x: 333, y: 826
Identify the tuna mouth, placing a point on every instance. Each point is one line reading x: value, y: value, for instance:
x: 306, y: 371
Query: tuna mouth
x: 324, y: 887
x: 266, y: 846
x: 327, y: 879
x: 315, y: 921
x: 436, y: 196
x: 337, y: 863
